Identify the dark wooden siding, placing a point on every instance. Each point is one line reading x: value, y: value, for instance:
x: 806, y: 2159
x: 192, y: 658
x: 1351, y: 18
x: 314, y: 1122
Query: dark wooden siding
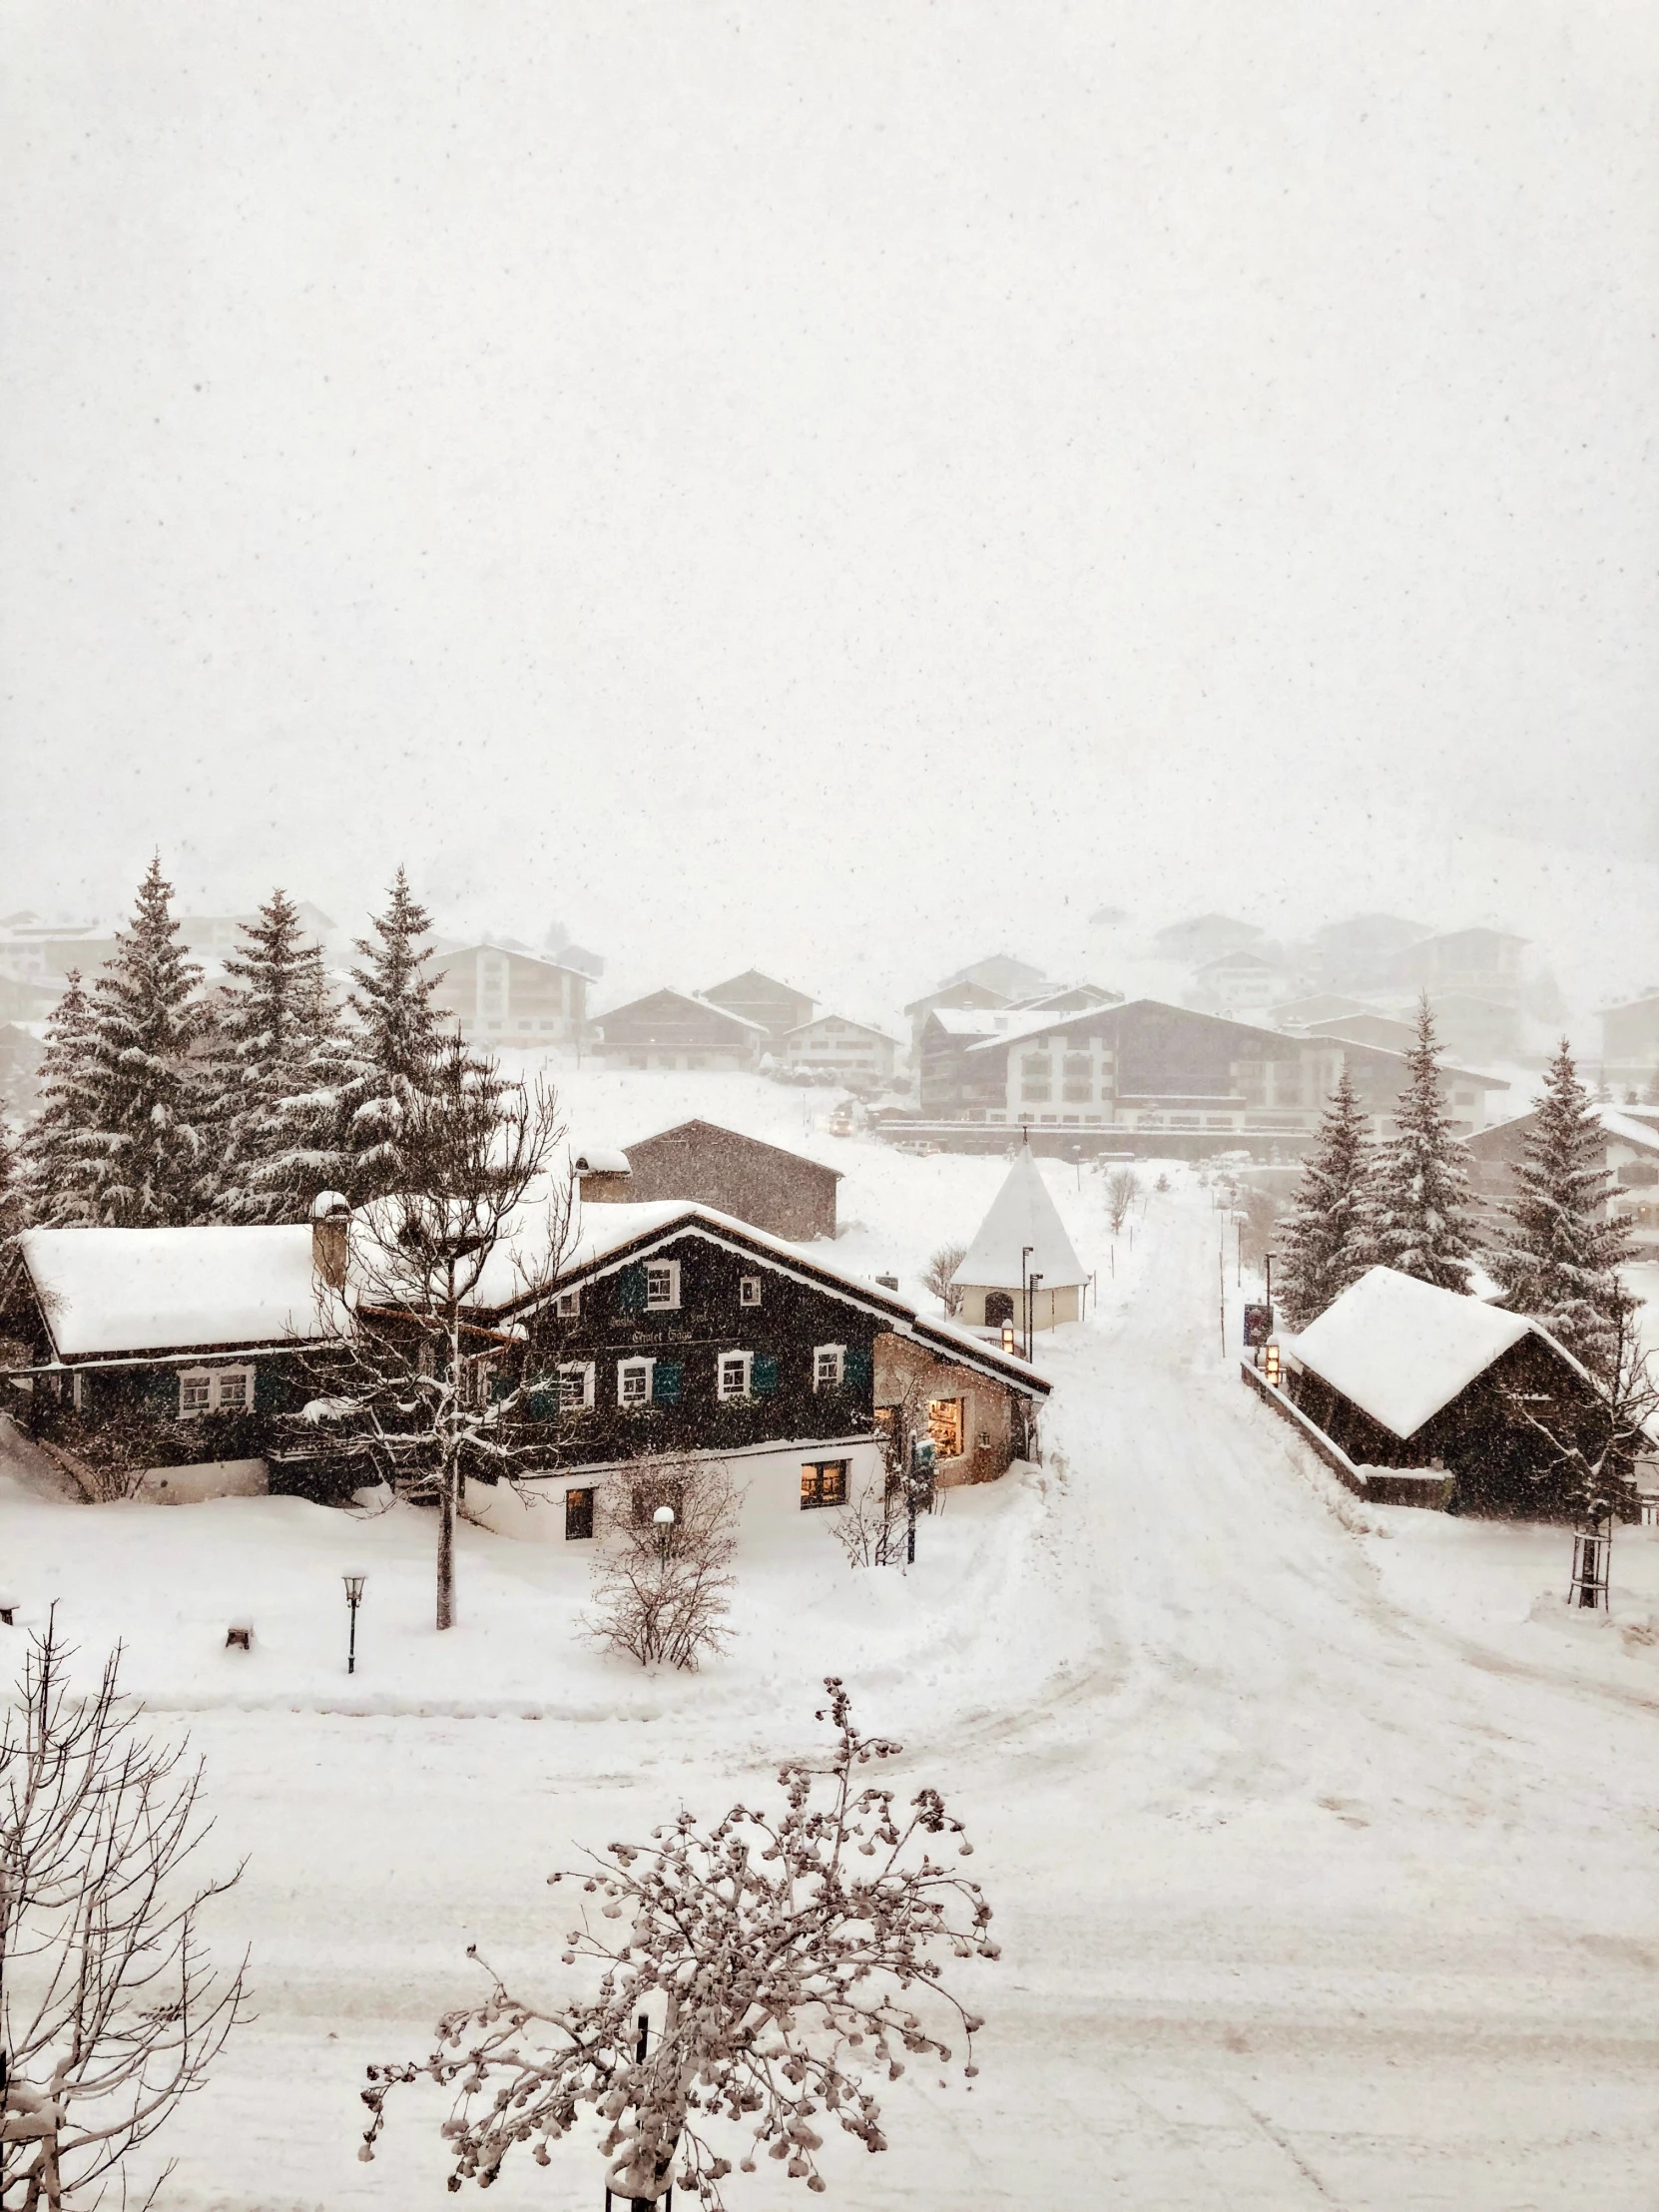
x: 759, y: 1183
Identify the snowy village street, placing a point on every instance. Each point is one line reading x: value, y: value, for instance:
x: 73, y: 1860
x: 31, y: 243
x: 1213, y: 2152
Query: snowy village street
x: 1323, y: 1874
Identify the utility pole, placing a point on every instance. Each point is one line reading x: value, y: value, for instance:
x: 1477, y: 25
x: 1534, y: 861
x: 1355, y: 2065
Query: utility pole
x: 1025, y: 1251
x: 1221, y: 1260
x: 1031, y: 1312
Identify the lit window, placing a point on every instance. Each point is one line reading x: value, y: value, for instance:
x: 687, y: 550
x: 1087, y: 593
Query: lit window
x: 662, y: 1284
x: 733, y: 1374
x: 823, y: 1483
x: 944, y: 1425
x: 633, y: 1382
x: 568, y: 1304
x: 828, y: 1363
x: 748, y: 1292
x: 575, y: 1385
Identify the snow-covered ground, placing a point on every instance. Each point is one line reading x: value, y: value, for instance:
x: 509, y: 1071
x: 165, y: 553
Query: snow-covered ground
x: 1322, y: 1838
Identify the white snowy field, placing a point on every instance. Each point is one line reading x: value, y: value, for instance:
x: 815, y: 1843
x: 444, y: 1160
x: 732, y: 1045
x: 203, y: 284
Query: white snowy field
x: 1322, y: 1839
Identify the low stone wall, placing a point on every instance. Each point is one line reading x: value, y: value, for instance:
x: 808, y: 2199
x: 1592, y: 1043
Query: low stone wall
x: 1377, y: 1486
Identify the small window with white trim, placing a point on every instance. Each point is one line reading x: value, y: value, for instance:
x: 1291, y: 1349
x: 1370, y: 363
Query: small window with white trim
x: 828, y: 1364
x: 568, y: 1304
x: 748, y: 1291
x: 732, y: 1372
x: 633, y: 1382
x: 662, y: 1284
x: 215, y: 1390
x: 575, y: 1385
x: 196, y: 1393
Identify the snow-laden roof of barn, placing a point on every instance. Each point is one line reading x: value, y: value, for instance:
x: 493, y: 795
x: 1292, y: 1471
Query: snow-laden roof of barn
x: 1023, y: 1213
x: 167, y: 1290
x: 1402, y: 1350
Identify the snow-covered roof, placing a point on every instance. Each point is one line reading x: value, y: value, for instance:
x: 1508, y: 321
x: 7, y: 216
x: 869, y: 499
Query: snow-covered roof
x: 1022, y: 1214
x: 1402, y: 1350
x: 989, y: 1022
x: 167, y: 1290
x: 684, y: 998
x: 1628, y: 1129
x: 606, y: 1232
x: 599, y: 1159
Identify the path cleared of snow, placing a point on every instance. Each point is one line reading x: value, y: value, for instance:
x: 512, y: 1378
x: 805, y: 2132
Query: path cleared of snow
x: 1321, y: 1843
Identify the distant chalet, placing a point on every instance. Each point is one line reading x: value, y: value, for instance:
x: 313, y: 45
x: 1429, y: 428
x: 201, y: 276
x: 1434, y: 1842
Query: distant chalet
x: 780, y: 1192
x: 674, y: 1029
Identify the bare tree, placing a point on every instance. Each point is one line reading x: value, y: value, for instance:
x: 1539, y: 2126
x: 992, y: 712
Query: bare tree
x: 413, y: 1376
x: 110, y: 2012
x: 870, y: 1525
x: 875, y: 1527
x: 1595, y: 1444
x: 662, y: 1587
x: 784, y: 1960
x: 1123, y: 1187
x: 940, y: 1268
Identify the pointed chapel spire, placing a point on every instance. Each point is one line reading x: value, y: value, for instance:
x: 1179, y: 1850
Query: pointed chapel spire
x: 1023, y: 1213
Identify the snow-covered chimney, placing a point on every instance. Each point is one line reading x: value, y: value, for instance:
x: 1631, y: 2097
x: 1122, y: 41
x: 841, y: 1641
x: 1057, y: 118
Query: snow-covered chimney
x: 331, y: 1226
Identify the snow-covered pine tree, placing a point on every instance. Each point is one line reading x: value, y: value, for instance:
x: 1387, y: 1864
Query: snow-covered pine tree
x: 57, y: 1179
x: 1558, y: 1256
x: 1329, y: 1239
x: 1420, y: 1190
x: 393, y: 1048
x: 145, y: 1152
x: 13, y: 1209
x: 266, y: 1032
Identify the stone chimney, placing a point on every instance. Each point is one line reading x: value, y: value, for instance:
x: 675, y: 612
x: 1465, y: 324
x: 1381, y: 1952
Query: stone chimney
x: 330, y: 1236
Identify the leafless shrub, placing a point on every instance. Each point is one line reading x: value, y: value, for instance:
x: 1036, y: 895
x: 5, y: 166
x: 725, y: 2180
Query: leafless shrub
x: 661, y: 1593
x: 110, y: 2012
x: 937, y: 1277
x: 869, y: 1526
x: 1123, y: 1187
x: 782, y: 1959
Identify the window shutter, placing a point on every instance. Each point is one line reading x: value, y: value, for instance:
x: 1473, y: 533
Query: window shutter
x: 856, y: 1366
x: 763, y: 1376
x: 160, y: 1394
x: 665, y: 1382
x: 631, y: 1289
x: 267, y: 1388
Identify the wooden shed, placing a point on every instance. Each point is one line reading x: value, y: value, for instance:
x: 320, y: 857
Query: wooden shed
x: 760, y: 1183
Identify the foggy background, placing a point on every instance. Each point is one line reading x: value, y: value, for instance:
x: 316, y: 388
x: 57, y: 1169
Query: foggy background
x: 849, y: 489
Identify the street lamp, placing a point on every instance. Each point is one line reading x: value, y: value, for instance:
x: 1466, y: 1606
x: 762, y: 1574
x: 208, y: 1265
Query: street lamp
x: 1031, y: 1310
x: 663, y: 1517
x: 1025, y: 1251
x: 354, y: 1598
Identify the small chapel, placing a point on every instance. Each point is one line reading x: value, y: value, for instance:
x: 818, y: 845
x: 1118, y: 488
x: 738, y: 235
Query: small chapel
x: 1021, y: 1267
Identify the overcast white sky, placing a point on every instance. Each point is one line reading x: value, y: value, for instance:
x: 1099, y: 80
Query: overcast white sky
x: 844, y: 486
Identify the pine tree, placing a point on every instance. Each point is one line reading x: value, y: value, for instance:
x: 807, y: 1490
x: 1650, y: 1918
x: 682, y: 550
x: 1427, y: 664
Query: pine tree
x: 1330, y: 1240
x: 146, y: 1153
x: 57, y: 1179
x: 14, y: 1212
x: 1421, y: 1186
x: 1558, y: 1258
x: 268, y: 1032
x: 391, y: 1051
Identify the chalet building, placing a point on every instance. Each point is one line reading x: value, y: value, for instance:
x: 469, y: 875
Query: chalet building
x: 845, y: 1051
x: 1630, y: 1154
x: 1148, y: 1066
x: 26, y: 1001
x: 1315, y: 1007
x: 1399, y: 1374
x: 212, y: 936
x: 1381, y: 1030
x: 1477, y: 1028
x: 1485, y: 962
x: 499, y: 996
x: 1204, y: 937
x: 1630, y: 1043
x: 1001, y: 972
x: 780, y: 1192
x: 670, y: 1029
x: 761, y: 999
x: 949, y: 998
x: 1068, y: 998
x: 681, y: 1332
x: 186, y: 1344
x: 1021, y: 1267
x: 48, y: 958
x: 1361, y: 952
x: 1241, y: 982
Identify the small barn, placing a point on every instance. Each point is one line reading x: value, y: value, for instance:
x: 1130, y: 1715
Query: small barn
x: 698, y: 1161
x: 1021, y: 1238
x: 1399, y: 1374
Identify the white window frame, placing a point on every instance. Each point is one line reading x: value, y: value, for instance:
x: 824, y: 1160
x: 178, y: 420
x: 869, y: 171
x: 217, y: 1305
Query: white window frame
x: 836, y: 1352
x: 749, y: 1290
x: 628, y: 1366
x: 214, y: 1379
x: 568, y: 1304
x: 662, y: 1305
x: 723, y: 1389
x: 583, y: 1402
